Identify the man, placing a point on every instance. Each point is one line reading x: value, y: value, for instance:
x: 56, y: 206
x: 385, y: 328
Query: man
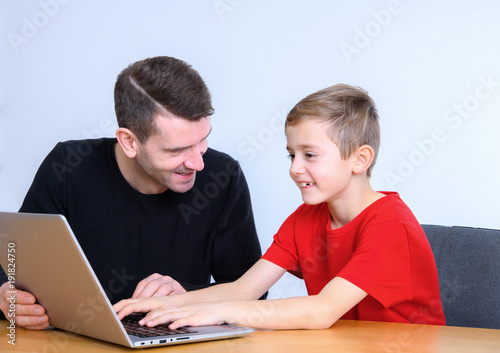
x: 155, y: 210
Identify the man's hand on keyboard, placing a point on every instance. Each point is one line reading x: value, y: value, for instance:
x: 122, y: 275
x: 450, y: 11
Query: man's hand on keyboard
x: 157, y: 285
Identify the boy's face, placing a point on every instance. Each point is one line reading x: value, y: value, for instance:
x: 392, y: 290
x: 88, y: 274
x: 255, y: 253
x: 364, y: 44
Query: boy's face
x: 317, y: 167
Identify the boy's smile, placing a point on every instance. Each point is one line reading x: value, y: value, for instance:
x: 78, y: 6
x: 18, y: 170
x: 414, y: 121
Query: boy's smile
x: 317, y: 167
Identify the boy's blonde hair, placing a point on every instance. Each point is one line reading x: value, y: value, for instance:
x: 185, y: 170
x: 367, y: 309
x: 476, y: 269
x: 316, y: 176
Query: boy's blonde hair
x: 349, y: 111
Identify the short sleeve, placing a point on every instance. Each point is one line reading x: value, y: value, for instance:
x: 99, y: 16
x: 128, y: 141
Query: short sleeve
x: 283, y: 250
x: 381, y: 264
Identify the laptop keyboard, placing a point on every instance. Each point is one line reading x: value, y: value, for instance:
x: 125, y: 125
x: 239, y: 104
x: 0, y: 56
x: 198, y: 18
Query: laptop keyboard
x: 131, y: 325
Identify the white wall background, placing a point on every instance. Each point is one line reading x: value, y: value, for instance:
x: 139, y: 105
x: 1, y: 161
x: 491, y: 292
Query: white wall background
x: 432, y: 66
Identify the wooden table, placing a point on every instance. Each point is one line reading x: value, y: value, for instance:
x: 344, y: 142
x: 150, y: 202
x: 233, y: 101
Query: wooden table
x: 344, y: 336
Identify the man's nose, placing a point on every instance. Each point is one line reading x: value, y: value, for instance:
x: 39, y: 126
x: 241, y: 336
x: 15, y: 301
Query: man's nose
x: 195, y: 160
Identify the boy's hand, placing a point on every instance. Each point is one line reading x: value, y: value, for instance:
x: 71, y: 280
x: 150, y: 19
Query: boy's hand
x: 160, y: 312
x: 190, y: 315
x: 157, y: 285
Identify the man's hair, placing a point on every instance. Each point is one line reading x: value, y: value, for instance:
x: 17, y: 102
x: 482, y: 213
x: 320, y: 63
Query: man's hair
x: 160, y: 85
x: 350, y: 113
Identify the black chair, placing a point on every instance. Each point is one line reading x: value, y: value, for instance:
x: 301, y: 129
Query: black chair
x: 468, y: 264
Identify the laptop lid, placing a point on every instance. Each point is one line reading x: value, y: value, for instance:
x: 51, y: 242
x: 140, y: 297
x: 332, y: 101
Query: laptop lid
x: 43, y: 257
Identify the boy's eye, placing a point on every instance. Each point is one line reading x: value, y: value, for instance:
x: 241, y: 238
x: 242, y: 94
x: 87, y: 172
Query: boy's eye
x: 291, y: 156
x: 310, y: 155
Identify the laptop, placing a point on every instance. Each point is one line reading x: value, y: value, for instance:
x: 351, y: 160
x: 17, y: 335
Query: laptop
x: 42, y: 256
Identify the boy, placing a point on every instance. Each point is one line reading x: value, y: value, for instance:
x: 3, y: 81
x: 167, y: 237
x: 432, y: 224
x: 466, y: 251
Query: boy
x: 362, y: 253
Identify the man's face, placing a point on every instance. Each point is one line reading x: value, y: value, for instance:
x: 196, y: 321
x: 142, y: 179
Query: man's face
x: 170, y: 158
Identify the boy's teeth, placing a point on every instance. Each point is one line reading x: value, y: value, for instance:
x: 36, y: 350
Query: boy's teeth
x: 305, y: 184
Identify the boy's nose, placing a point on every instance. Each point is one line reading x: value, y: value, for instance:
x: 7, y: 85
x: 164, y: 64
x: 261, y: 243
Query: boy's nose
x: 296, y: 168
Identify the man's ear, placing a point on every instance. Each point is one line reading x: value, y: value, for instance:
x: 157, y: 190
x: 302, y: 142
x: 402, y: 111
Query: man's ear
x: 127, y: 141
x: 363, y: 159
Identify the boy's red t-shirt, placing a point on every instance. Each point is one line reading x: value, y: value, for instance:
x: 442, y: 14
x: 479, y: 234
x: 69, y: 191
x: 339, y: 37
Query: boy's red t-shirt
x: 383, y: 251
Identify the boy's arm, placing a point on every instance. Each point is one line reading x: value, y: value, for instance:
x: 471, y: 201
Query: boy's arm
x: 252, y: 285
x: 312, y: 312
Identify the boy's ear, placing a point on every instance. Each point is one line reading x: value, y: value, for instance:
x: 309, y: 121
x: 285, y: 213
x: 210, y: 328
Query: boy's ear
x: 127, y: 141
x: 363, y: 159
